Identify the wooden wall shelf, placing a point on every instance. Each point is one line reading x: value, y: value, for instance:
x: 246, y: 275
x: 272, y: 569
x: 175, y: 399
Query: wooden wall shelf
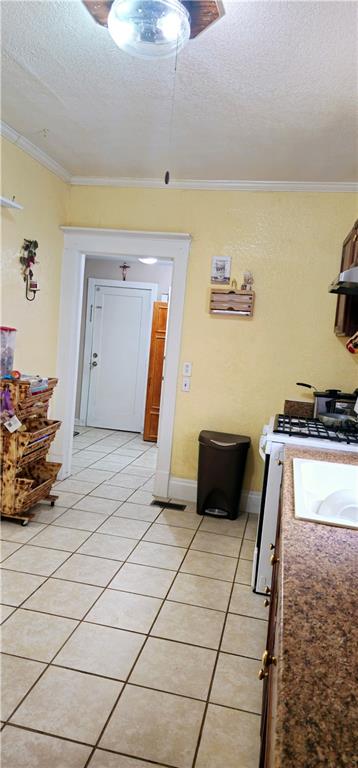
x: 5, y: 202
x: 230, y: 302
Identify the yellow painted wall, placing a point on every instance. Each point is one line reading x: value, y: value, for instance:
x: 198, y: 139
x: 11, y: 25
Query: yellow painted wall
x: 44, y: 198
x: 243, y: 369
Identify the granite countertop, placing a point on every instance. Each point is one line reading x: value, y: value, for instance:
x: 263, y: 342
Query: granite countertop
x: 317, y: 717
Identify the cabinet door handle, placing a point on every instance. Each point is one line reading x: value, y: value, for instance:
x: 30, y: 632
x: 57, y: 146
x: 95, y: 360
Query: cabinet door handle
x: 268, y: 658
x: 274, y: 559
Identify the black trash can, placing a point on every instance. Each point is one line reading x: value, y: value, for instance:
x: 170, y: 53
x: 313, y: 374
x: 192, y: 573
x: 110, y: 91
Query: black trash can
x: 222, y: 460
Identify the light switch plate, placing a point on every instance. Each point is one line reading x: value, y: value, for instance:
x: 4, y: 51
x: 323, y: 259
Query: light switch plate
x: 187, y: 367
x: 186, y: 384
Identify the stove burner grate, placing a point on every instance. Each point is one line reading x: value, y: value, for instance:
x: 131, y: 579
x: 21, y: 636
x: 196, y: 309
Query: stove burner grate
x: 296, y: 427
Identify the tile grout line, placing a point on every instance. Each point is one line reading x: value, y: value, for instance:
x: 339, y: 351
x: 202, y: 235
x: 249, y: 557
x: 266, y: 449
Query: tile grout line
x: 132, y: 632
x: 127, y: 538
x: 119, y: 536
x: 120, y: 565
x: 134, y: 664
x: 112, y: 559
x: 201, y: 731
x: 45, y: 525
x: 116, y: 472
x: 79, y: 621
x: 45, y: 613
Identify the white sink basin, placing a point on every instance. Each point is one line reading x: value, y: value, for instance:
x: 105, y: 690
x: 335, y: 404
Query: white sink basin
x: 326, y: 492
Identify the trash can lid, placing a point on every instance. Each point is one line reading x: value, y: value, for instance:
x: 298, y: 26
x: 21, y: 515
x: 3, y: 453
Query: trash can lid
x: 222, y: 439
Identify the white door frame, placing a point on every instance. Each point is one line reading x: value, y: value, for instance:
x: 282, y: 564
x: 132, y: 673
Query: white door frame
x: 80, y: 242
x: 88, y: 331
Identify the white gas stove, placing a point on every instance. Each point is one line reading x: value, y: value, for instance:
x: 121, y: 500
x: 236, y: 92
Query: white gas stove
x: 281, y: 431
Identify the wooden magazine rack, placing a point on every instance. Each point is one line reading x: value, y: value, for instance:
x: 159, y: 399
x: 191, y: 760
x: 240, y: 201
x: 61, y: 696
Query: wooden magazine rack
x: 26, y: 476
x: 231, y: 302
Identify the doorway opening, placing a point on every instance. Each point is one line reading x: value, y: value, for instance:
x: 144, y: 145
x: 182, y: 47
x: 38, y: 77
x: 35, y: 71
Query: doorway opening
x: 121, y: 362
x: 89, y: 406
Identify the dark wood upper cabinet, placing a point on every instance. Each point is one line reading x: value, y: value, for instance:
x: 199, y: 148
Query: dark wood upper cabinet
x: 346, y: 321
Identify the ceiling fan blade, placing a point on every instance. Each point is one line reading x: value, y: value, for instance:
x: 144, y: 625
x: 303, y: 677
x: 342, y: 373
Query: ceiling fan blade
x: 202, y: 13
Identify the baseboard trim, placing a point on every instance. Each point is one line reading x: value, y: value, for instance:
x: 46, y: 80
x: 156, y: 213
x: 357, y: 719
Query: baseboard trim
x: 65, y: 470
x: 181, y: 489
x: 251, y: 502
x: 185, y: 490
x: 161, y: 479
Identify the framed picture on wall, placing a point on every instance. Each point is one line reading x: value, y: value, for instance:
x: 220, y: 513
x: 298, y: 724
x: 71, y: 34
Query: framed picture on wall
x: 221, y: 270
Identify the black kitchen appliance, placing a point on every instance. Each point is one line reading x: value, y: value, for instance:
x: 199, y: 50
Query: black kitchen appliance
x: 332, y: 402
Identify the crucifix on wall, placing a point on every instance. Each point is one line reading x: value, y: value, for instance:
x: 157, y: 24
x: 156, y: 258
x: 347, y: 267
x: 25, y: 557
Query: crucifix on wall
x: 124, y: 267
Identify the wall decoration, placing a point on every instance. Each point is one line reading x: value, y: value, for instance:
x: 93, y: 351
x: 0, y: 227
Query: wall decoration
x: 124, y: 267
x: 221, y: 270
x: 27, y: 261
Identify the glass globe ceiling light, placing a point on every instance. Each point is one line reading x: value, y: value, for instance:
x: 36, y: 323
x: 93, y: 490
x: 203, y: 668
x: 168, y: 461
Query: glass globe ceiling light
x: 149, y: 29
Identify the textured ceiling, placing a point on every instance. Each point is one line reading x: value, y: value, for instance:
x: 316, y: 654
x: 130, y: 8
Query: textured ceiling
x: 267, y: 93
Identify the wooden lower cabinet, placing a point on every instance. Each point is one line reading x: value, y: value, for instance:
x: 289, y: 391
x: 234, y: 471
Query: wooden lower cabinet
x: 268, y: 671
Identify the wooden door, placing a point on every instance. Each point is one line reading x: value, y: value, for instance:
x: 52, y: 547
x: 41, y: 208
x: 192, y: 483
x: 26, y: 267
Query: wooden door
x: 155, y: 372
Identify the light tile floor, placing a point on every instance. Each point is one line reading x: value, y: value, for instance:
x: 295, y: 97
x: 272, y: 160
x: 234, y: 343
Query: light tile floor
x: 130, y: 632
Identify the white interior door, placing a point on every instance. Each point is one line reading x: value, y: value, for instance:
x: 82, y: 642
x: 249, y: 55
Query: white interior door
x: 119, y: 357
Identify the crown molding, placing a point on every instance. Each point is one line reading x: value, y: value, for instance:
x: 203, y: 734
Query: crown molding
x: 37, y: 154
x: 227, y: 185
x: 171, y: 236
